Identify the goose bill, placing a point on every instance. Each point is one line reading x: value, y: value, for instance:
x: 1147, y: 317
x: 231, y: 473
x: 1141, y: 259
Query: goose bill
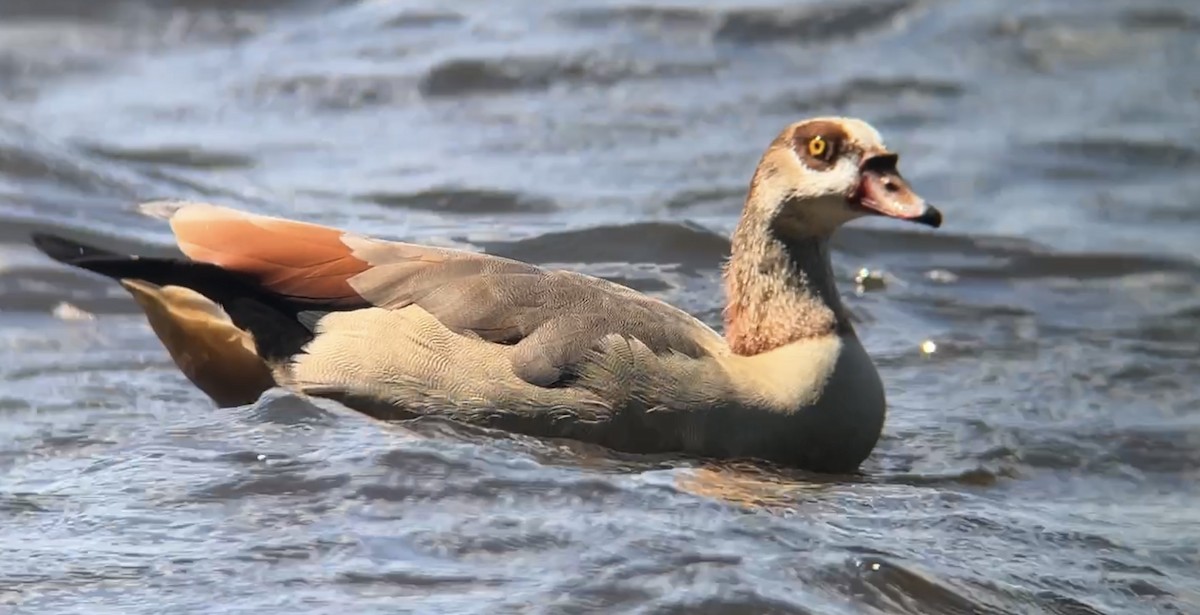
x: 882, y: 191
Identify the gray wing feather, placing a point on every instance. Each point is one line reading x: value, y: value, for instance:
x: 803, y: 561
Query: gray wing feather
x: 553, y: 318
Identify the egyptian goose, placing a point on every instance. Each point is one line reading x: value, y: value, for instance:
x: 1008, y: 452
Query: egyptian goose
x: 397, y: 330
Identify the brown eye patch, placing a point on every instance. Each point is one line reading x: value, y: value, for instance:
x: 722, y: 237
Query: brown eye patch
x: 819, y: 144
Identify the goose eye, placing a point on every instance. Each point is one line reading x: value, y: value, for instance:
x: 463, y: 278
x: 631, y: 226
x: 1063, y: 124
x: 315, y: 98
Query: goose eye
x: 817, y: 147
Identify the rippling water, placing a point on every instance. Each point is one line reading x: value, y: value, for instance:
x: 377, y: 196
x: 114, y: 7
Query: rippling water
x: 1044, y: 459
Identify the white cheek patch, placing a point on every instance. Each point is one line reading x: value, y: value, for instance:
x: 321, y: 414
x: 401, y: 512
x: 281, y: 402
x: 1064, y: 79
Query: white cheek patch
x: 839, y: 180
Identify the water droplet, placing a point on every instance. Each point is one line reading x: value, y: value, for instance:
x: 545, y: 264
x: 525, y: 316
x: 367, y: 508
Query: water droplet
x: 66, y: 311
x: 867, y: 280
x: 941, y: 276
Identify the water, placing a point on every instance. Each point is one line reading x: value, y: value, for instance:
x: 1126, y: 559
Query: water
x: 1043, y: 459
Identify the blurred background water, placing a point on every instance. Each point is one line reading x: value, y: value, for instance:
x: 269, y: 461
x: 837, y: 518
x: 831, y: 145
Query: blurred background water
x: 1043, y: 459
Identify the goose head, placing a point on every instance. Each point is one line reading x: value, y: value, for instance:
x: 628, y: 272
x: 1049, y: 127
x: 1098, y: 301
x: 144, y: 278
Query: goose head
x: 820, y: 173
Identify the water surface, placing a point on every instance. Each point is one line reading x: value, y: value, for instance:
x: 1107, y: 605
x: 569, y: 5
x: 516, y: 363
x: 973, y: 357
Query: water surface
x: 1043, y: 459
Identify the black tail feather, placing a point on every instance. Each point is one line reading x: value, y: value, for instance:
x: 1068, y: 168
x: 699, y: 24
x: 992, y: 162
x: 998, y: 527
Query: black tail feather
x: 272, y: 319
x: 67, y: 251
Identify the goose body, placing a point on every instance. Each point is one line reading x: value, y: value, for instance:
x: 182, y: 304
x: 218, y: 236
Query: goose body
x: 398, y: 330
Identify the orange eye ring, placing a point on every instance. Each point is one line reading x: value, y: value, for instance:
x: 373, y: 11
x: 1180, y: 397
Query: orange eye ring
x: 817, y: 147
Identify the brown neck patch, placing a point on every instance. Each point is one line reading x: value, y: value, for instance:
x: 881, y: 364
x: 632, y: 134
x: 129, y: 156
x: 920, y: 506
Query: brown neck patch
x: 779, y: 292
